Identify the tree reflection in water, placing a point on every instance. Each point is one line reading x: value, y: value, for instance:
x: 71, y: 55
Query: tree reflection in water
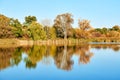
x: 84, y: 53
x: 63, y: 58
x: 62, y: 55
x: 105, y: 46
x: 5, y: 56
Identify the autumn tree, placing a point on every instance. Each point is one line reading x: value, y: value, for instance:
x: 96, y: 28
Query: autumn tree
x: 116, y: 28
x: 113, y: 34
x: 5, y: 57
x: 84, y: 24
x: 5, y: 29
x: 62, y: 23
x: 81, y: 34
x: 96, y: 34
x: 4, y: 21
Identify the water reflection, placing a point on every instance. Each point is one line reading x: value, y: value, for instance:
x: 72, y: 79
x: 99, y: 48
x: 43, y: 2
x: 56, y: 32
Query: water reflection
x: 105, y: 46
x: 62, y: 55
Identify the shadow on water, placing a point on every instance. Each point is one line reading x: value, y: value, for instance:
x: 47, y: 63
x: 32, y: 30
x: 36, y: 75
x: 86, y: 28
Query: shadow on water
x: 62, y: 55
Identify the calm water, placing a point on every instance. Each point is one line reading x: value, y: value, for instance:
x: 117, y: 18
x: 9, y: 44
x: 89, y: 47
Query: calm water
x: 83, y: 62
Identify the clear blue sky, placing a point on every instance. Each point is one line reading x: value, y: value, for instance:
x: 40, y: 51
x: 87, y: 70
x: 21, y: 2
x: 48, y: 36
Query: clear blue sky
x: 101, y: 13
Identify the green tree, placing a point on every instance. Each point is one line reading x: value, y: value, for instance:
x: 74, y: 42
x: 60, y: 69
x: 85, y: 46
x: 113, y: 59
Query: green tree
x: 47, y: 30
x: 36, y: 31
x: 102, y: 31
x: 29, y: 20
x: 16, y: 27
x: 50, y: 32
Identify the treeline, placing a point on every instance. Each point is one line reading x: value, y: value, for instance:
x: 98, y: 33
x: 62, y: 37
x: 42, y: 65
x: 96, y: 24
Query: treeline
x: 62, y: 28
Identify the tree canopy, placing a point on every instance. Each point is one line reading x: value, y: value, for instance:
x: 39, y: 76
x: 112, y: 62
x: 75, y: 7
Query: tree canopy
x: 61, y: 29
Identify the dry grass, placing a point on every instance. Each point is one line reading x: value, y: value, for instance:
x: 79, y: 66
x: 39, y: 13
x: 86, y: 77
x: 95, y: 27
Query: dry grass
x: 18, y: 42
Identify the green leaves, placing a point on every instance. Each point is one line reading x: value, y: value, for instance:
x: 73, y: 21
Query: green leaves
x: 29, y: 20
x: 16, y: 27
x: 36, y: 31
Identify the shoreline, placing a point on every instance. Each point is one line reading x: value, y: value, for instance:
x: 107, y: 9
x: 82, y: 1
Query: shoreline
x: 20, y: 42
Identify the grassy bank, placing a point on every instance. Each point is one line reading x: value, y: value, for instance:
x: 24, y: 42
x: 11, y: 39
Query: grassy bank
x: 9, y: 42
x: 20, y: 42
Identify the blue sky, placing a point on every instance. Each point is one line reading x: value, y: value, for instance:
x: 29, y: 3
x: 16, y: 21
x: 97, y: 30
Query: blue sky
x: 101, y: 13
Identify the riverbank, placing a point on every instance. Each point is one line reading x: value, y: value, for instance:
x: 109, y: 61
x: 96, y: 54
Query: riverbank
x: 21, y: 42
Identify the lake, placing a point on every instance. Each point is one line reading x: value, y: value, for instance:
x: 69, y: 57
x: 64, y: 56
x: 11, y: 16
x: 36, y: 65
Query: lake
x: 80, y: 62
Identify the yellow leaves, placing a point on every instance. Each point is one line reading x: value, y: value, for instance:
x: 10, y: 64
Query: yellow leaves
x: 84, y: 24
x: 113, y: 34
x: 81, y: 33
x: 4, y: 21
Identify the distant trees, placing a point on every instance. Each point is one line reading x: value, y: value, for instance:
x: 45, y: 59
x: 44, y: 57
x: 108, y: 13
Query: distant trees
x: 116, y: 28
x: 62, y: 28
x: 102, y: 30
x: 107, y: 32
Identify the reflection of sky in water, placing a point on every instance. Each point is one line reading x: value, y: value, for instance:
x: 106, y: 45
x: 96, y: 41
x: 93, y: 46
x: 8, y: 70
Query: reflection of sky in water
x: 103, y: 65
